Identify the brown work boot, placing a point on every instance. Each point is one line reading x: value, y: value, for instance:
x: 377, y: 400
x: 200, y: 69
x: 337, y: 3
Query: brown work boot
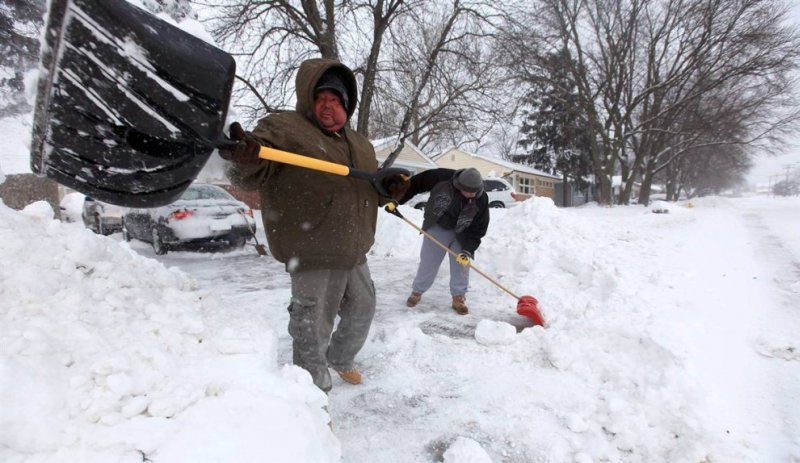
x: 413, y: 299
x: 351, y: 376
x: 460, y: 305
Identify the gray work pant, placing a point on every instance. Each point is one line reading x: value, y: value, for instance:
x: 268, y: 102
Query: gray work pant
x: 430, y: 259
x: 318, y: 296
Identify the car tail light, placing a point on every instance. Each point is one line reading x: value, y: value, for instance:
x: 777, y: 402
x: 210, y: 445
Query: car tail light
x: 249, y: 213
x: 180, y: 215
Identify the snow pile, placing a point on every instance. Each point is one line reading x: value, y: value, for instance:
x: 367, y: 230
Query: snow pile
x: 578, y: 386
x: 72, y: 207
x: 397, y: 238
x: 105, y: 357
x: 40, y: 210
x: 466, y: 450
x: 670, y: 338
x: 489, y: 332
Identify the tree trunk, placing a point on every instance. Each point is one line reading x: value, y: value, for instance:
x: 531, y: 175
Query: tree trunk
x: 644, y: 192
x: 327, y: 45
x: 381, y: 23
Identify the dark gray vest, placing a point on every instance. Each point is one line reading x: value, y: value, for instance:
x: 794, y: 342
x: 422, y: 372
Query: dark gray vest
x: 447, y: 207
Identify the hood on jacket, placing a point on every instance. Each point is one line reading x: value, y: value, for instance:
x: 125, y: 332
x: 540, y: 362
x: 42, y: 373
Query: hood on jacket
x: 306, y: 81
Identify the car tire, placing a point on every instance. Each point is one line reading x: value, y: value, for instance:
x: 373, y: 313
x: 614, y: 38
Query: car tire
x: 158, y: 244
x: 497, y: 205
x: 238, y: 243
x: 126, y: 235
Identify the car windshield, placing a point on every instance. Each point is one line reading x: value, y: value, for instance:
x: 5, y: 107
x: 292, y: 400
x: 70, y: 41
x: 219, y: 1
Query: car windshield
x: 205, y: 192
x: 493, y: 185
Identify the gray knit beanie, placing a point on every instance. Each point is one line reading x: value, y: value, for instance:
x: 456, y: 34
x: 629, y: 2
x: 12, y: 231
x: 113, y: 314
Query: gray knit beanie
x: 468, y: 180
x: 331, y: 80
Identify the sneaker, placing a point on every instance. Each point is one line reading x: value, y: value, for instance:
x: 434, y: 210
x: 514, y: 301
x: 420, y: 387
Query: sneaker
x: 413, y: 299
x: 351, y: 376
x: 460, y: 305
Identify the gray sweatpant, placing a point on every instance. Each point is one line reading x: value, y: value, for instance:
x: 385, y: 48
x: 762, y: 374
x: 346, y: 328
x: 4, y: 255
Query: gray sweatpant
x: 430, y: 259
x: 318, y: 296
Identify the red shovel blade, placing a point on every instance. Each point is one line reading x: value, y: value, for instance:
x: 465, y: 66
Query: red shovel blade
x: 528, y: 306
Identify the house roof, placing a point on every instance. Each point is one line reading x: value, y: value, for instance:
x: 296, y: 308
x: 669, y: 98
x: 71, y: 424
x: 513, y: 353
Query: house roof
x: 388, y: 144
x: 506, y: 164
x: 384, y: 142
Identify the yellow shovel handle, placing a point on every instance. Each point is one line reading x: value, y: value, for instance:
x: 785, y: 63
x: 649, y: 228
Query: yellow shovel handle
x: 286, y: 157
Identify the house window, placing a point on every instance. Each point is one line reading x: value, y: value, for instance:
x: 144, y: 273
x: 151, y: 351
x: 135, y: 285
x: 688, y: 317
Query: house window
x: 525, y: 185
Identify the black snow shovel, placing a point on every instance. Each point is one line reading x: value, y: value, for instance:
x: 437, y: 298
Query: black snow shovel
x: 129, y: 108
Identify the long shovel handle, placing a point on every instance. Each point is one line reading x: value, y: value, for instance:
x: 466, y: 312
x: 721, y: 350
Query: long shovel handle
x: 285, y: 157
x: 438, y: 243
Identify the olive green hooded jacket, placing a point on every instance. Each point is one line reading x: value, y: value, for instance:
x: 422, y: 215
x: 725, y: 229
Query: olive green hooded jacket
x: 314, y: 219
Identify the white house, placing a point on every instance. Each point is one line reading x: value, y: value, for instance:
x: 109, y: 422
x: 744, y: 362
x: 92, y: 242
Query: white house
x: 410, y: 156
x: 525, y: 180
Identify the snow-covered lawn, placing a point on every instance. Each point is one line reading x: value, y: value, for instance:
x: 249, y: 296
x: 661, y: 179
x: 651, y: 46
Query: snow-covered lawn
x: 671, y: 337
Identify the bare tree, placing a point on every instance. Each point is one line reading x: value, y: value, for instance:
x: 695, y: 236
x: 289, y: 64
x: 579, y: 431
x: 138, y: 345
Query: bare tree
x: 718, y: 75
x: 641, y: 66
x: 444, y: 75
x: 270, y: 39
x: 383, y: 14
x: 19, y: 50
x: 425, y: 66
x: 597, y: 37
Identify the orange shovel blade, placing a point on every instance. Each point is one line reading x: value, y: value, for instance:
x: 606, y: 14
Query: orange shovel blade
x: 528, y: 306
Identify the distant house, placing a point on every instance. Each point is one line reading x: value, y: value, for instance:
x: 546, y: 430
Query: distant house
x: 527, y: 181
x: 410, y: 156
x: 616, y: 183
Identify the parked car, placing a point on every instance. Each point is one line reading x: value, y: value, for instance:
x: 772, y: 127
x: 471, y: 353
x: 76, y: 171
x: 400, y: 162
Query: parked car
x: 205, y: 216
x: 102, y: 218
x: 501, y: 194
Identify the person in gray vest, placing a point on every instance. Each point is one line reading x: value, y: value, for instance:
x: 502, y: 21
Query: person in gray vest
x: 457, y: 215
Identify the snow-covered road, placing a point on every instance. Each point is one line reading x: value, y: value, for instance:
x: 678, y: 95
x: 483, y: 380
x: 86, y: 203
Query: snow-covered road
x: 673, y: 337
x: 742, y: 312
